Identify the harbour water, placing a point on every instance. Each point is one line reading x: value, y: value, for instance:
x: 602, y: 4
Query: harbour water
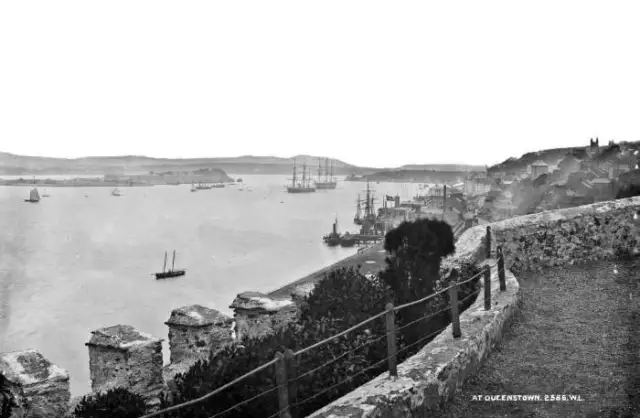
x: 82, y: 259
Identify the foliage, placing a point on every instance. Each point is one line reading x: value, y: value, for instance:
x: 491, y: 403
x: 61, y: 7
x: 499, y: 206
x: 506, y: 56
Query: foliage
x: 412, y: 271
x: 115, y: 403
x: 347, y: 294
x: 628, y: 191
x: 7, y: 400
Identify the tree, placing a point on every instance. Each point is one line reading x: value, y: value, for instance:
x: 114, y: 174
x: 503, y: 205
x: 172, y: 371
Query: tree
x: 412, y: 270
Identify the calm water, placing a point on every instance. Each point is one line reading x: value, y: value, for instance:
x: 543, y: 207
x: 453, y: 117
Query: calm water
x: 72, y: 264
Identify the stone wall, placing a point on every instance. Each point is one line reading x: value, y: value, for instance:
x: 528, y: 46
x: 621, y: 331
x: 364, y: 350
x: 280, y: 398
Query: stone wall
x: 119, y: 356
x: 432, y: 376
x: 41, y: 389
x: 257, y: 315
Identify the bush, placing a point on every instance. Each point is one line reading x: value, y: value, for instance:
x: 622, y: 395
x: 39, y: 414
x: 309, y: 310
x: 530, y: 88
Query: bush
x: 115, y: 403
x: 628, y: 191
x: 7, y: 400
x: 412, y: 271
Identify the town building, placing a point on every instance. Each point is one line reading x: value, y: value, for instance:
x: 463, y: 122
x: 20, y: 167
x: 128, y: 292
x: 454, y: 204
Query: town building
x: 539, y: 167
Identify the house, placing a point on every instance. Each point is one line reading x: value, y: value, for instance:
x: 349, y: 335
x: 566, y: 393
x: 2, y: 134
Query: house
x: 602, y: 188
x: 539, y: 167
x: 569, y: 164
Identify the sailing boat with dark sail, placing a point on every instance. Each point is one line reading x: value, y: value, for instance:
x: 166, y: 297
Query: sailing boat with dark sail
x: 34, y: 196
x: 171, y: 272
x: 325, y: 177
x: 300, y: 187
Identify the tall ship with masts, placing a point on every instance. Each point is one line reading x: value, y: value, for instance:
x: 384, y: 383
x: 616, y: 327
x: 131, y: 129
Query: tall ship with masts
x: 365, y: 211
x: 325, y: 177
x: 301, y: 184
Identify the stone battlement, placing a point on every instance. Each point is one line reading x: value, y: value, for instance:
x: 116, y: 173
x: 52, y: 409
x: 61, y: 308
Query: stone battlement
x: 122, y: 356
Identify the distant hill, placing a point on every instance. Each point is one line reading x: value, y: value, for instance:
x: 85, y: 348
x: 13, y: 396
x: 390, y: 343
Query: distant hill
x: 11, y: 164
x: 553, y: 156
x: 443, y: 167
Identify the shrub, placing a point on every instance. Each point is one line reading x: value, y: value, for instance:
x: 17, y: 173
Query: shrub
x: 412, y: 271
x: 628, y: 191
x: 7, y: 400
x: 115, y: 403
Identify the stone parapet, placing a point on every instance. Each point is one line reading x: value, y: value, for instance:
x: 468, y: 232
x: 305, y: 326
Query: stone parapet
x: 195, y: 331
x: 121, y: 356
x: 40, y: 388
x: 256, y: 314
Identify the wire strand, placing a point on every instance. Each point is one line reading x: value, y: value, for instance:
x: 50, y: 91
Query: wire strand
x: 339, y: 383
x: 423, y: 317
x: 340, y: 356
x: 210, y: 394
x: 246, y: 401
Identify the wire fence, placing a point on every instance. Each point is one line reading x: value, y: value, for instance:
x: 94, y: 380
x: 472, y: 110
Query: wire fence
x: 285, y: 365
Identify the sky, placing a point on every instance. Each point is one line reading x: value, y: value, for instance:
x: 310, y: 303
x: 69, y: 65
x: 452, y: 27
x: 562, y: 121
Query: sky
x: 372, y: 83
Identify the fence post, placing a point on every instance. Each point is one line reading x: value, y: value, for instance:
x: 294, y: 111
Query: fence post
x: 292, y: 373
x: 487, y: 288
x: 453, y: 292
x: 501, y: 272
x: 391, y: 339
x: 283, y: 390
x: 488, y: 242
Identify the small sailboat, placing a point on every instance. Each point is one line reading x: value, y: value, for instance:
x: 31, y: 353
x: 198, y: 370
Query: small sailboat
x: 34, y: 196
x: 171, y: 272
x: 116, y: 192
x: 193, y: 188
x: 45, y: 194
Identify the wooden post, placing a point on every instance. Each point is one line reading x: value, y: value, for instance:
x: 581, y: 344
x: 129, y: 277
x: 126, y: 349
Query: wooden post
x: 283, y: 390
x: 292, y: 373
x: 488, y: 242
x: 391, y: 340
x: 501, y: 272
x: 453, y: 292
x: 487, y: 288
x: 444, y: 201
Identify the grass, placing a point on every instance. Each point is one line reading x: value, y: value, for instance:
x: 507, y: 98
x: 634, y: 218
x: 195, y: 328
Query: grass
x: 577, y: 332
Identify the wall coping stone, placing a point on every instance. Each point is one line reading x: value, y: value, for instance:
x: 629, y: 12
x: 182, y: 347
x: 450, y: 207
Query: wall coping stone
x: 197, y: 316
x: 29, y: 367
x: 121, y: 337
x: 259, y: 302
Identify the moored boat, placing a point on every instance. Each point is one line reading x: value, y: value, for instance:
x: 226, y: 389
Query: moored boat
x: 171, y: 272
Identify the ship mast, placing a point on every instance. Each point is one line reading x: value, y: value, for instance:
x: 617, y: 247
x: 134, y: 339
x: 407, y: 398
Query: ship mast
x: 293, y: 181
x: 304, y: 175
x: 164, y: 267
x: 326, y: 170
x: 173, y: 264
x: 319, y: 170
x: 331, y: 175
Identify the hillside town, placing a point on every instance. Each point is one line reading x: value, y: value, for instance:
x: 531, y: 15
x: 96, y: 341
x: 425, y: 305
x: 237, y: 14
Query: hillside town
x: 575, y: 177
